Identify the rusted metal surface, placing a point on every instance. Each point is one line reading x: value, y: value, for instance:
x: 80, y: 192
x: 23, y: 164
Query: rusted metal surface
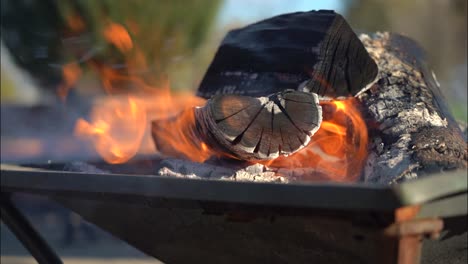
x: 410, y: 233
x: 428, y: 227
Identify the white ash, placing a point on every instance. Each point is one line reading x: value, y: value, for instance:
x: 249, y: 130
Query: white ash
x: 382, y: 166
x: 188, y: 169
x: 403, y: 103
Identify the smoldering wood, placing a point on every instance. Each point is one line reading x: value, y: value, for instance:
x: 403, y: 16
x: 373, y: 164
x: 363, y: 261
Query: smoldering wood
x: 318, y: 48
x: 259, y: 128
x: 244, y: 127
x: 267, y: 75
x: 411, y: 127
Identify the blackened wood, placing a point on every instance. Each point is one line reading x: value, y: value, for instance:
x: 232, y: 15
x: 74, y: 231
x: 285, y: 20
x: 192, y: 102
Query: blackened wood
x: 284, y: 52
x: 259, y: 128
x: 244, y: 127
x: 411, y: 127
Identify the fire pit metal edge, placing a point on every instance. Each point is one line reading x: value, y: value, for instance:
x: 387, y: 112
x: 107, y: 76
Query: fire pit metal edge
x: 309, y: 195
x: 310, y: 202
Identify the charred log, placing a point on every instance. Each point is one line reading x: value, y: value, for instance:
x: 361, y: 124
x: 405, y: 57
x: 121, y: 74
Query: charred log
x: 318, y: 48
x: 263, y: 84
x: 410, y: 126
x: 261, y: 128
x: 244, y: 127
x: 413, y: 131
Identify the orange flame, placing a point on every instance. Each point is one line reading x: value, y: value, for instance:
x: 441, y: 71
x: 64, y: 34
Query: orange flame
x: 71, y: 73
x: 116, y: 129
x: 339, y: 148
x: 119, y: 127
x: 337, y: 151
x: 117, y: 34
x: 176, y: 137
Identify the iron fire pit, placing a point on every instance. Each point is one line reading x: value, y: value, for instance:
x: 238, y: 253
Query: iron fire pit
x: 207, y: 221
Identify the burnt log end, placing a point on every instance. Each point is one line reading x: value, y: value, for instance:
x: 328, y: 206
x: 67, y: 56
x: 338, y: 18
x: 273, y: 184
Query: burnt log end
x: 259, y: 128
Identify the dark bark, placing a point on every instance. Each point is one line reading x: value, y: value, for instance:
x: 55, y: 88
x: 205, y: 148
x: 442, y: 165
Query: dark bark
x: 411, y: 127
x: 317, y: 47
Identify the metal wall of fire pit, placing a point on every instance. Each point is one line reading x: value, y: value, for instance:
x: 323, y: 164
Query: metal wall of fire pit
x: 202, y: 221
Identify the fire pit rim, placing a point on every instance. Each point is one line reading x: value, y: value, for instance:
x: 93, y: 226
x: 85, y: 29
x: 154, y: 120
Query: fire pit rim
x: 308, y: 195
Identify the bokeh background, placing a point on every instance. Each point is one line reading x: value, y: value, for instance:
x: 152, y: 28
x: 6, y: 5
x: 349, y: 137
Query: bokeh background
x: 177, y: 40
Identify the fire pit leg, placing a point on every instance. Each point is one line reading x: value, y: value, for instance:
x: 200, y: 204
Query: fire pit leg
x: 26, y: 233
x: 410, y: 233
x: 409, y: 249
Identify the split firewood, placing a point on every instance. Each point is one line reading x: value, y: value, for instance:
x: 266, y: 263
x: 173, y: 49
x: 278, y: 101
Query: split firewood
x: 414, y: 132
x: 316, y: 48
x: 255, y: 101
x: 264, y: 82
x: 260, y: 128
x: 246, y: 128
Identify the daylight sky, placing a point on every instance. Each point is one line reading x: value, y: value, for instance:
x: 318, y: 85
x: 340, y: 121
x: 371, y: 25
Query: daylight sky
x: 247, y: 11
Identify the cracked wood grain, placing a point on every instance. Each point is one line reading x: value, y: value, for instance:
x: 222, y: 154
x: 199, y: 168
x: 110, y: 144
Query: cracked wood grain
x: 260, y: 128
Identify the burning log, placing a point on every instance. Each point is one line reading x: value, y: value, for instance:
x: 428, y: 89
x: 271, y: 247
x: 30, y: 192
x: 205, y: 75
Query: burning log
x: 411, y: 130
x: 260, y: 128
x: 265, y: 102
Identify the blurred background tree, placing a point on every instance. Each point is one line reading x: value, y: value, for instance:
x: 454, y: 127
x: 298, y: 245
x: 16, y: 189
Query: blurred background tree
x: 170, y: 33
x: 178, y: 38
x: 44, y: 35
